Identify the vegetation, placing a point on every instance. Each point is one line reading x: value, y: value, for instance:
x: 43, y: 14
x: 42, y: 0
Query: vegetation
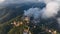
x: 18, y: 26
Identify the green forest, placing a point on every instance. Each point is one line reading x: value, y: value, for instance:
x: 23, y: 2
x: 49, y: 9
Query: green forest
x: 19, y: 25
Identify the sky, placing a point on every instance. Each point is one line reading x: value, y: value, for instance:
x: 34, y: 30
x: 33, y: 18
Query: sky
x: 23, y: 1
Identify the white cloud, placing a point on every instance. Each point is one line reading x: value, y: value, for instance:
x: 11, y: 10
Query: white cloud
x: 1, y: 1
x: 47, y: 1
x: 51, y: 10
x: 35, y: 12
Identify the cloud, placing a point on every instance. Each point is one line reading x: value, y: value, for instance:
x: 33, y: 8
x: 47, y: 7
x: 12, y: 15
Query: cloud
x: 35, y: 12
x: 47, y: 1
x: 51, y: 10
x: 1, y: 1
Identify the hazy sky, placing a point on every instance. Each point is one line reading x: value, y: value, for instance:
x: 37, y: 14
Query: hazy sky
x: 22, y: 1
x: 17, y: 1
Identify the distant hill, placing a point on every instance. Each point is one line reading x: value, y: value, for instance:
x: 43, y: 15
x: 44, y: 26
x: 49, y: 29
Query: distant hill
x: 14, y: 10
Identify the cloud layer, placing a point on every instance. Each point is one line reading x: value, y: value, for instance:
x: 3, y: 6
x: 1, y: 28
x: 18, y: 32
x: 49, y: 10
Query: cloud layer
x: 35, y: 12
x: 51, y: 9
